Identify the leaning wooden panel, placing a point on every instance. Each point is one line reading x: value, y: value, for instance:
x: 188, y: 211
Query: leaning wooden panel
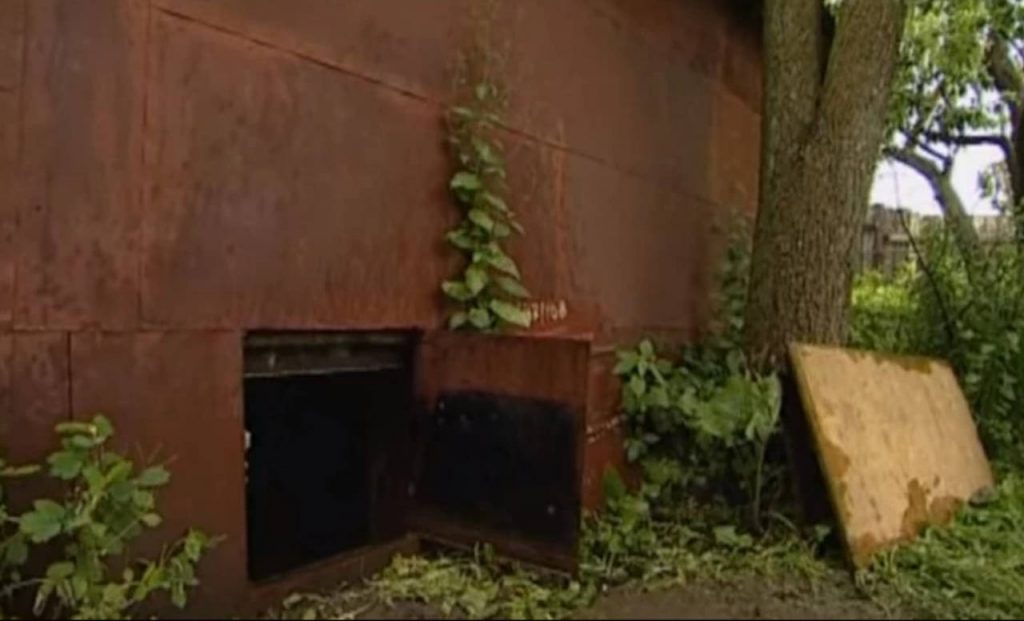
x: 896, y: 441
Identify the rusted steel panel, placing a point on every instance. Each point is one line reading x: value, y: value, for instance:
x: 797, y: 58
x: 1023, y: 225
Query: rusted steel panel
x: 604, y: 91
x: 639, y: 249
x: 34, y: 387
x: 175, y: 397
x: 603, y: 389
x: 10, y: 190
x: 648, y: 91
x: 39, y: 394
x: 735, y: 154
x: 404, y: 45
x: 288, y: 194
x: 744, y: 66
x: 522, y: 378
x: 7, y: 436
x: 536, y: 176
x: 693, y: 31
x: 82, y: 112
x: 603, y: 452
x: 12, y: 25
x: 553, y: 369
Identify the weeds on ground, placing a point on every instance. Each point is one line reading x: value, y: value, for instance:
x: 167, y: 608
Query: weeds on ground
x: 653, y: 555
x: 974, y: 569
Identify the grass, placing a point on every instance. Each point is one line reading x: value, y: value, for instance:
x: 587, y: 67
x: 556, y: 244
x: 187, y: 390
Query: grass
x: 973, y: 569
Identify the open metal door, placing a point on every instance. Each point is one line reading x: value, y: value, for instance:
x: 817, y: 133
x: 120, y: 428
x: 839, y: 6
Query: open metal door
x: 500, y: 436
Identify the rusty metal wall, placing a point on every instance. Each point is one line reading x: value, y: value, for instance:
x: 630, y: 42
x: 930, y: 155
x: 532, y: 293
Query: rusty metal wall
x: 176, y: 172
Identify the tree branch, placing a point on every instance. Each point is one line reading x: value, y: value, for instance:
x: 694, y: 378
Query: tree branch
x: 969, y: 140
x: 946, y: 196
x: 922, y: 165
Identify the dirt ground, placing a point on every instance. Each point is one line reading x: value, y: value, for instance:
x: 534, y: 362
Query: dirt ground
x: 834, y: 598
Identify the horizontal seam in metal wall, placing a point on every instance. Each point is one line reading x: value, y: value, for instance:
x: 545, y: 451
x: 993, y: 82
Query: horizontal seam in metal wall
x: 425, y: 99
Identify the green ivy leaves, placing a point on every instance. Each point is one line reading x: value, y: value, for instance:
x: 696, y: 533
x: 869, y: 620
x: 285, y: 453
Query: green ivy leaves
x: 490, y: 289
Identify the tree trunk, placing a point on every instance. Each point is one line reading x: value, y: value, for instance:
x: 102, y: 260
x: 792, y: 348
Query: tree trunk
x: 1010, y: 82
x: 824, y: 123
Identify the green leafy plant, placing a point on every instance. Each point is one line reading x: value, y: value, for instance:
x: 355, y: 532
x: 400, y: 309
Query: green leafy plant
x: 702, y: 424
x: 489, y: 292
x: 698, y: 428
x: 106, y: 506
x: 630, y: 541
x: 14, y: 545
x: 883, y: 312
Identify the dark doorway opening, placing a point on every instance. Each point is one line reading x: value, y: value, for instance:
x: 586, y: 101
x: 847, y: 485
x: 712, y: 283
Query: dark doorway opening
x: 328, y: 420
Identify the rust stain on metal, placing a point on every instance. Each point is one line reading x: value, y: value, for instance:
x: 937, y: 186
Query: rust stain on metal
x: 77, y: 224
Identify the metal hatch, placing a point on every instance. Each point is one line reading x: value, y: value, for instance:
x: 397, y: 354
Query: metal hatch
x: 500, y: 444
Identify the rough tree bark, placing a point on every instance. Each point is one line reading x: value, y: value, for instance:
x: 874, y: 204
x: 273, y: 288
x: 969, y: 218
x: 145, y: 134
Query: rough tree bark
x: 824, y: 123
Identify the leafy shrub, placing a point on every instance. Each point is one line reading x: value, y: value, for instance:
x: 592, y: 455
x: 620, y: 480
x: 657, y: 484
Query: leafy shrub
x: 970, y: 313
x: 702, y: 425
x: 977, y: 314
x: 884, y: 313
x: 106, y: 506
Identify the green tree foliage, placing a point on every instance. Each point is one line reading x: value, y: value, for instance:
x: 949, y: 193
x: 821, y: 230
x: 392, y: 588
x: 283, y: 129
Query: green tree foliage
x: 883, y: 316
x: 961, y: 84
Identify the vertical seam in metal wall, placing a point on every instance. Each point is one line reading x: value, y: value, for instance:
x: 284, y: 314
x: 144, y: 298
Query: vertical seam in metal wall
x: 21, y: 194
x: 142, y: 172
x: 68, y: 377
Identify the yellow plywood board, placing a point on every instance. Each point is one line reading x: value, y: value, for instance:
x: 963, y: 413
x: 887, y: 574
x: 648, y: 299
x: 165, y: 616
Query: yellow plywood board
x: 895, y: 439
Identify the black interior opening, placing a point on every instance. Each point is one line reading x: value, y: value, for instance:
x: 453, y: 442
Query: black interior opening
x: 504, y: 463
x: 328, y: 432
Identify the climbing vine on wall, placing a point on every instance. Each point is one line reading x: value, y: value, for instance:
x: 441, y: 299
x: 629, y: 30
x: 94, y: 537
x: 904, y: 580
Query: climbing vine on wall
x: 489, y: 292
